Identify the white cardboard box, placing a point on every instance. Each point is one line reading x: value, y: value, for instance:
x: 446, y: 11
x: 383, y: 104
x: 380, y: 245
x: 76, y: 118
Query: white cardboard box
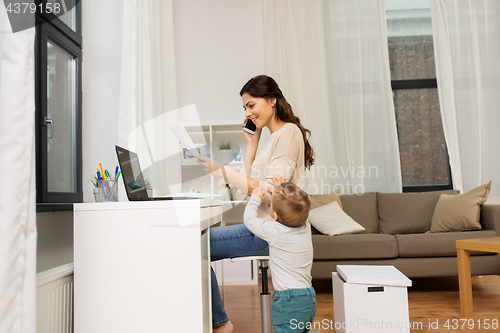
x: 370, y: 299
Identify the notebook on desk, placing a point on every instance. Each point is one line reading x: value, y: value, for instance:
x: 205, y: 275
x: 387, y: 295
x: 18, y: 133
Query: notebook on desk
x: 134, y: 181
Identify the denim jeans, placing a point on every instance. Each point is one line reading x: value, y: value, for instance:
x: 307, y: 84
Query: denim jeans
x: 293, y: 310
x: 231, y: 242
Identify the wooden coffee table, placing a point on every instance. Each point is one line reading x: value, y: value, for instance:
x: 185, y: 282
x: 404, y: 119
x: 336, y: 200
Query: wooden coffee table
x: 464, y: 247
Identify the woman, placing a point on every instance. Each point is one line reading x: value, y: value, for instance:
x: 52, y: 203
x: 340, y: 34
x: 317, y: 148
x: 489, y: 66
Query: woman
x: 286, y: 153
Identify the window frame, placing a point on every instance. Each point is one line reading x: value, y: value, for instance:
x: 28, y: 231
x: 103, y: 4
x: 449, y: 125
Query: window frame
x: 76, y: 36
x: 50, y: 28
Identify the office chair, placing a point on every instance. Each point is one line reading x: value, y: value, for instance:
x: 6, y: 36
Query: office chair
x: 265, y: 296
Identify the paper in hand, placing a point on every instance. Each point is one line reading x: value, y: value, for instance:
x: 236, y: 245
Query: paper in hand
x: 182, y: 135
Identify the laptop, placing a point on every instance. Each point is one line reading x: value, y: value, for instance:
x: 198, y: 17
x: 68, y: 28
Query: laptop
x: 134, y: 181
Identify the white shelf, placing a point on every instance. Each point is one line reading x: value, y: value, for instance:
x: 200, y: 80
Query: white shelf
x: 233, y: 131
x: 194, y: 163
x: 227, y: 202
x: 236, y: 273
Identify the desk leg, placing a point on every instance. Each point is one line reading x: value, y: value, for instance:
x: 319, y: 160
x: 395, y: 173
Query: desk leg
x: 465, y: 283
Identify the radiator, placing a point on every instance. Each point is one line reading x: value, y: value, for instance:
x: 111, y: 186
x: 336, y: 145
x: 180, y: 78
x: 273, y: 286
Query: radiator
x: 55, y: 300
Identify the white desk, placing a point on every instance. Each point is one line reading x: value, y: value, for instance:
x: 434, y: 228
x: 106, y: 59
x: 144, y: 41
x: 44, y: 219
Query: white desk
x: 143, y: 266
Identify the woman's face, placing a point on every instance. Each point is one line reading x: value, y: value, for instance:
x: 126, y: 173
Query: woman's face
x: 259, y: 110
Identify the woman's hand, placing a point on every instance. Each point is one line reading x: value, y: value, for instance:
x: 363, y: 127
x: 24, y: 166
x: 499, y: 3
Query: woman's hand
x: 277, y: 180
x: 252, y: 139
x: 210, y: 165
x: 259, y: 192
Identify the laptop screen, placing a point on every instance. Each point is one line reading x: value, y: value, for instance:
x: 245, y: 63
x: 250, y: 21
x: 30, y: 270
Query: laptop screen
x: 131, y: 174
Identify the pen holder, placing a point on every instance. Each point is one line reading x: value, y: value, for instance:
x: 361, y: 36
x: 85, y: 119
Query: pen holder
x: 108, y: 190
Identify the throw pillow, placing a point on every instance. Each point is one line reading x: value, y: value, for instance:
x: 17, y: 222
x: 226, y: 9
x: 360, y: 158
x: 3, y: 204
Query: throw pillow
x: 319, y: 200
x: 407, y: 213
x: 332, y: 220
x: 363, y: 209
x: 459, y: 212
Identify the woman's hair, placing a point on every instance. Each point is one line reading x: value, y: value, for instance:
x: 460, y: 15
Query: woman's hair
x: 263, y: 86
x: 291, y: 204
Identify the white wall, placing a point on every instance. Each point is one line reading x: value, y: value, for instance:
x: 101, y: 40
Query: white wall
x: 102, y: 39
x: 219, y: 47
x: 55, y: 239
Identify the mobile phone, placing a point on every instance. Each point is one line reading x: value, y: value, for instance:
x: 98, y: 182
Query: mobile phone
x: 250, y: 127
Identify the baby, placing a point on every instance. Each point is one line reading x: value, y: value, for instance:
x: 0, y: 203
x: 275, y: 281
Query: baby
x: 290, y: 254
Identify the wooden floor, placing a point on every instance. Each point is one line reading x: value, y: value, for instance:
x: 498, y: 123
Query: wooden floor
x: 432, y: 302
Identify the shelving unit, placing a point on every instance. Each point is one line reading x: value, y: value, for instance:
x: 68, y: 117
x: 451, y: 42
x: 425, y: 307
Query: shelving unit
x: 209, y: 137
x: 194, y: 178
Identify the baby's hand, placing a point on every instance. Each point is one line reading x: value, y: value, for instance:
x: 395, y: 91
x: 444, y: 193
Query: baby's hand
x: 259, y: 192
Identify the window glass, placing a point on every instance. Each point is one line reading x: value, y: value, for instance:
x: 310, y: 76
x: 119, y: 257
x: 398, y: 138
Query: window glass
x: 411, y: 58
x: 424, y: 159
x: 409, y: 31
x: 61, y: 120
x: 422, y: 147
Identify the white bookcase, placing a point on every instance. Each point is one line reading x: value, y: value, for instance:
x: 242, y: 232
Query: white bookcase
x: 194, y: 178
x: 210, y: 136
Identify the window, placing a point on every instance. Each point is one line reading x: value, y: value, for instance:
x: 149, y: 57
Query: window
x: 423, y: 153
x: 58, y: 59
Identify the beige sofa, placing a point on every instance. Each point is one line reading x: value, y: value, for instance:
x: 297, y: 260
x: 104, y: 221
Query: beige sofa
x: 396, y: 226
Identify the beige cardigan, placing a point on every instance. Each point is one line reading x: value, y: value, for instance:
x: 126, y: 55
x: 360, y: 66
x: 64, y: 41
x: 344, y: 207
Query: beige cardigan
x: 282, y: 155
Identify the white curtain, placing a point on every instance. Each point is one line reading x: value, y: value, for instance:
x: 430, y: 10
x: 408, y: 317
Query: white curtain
x: 148, y: 91
x: 331, y: 60
x: 467, y: 52
x: 17, y: 167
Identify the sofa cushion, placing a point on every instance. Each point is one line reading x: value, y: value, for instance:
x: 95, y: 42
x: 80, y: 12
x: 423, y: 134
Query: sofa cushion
x: 407, y: 213
x: 319, y: 200
x: 437, y: 244
x: 331, y: 220
x: 356, y: 246
x: 460, y: 212
x: 363, y: 209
